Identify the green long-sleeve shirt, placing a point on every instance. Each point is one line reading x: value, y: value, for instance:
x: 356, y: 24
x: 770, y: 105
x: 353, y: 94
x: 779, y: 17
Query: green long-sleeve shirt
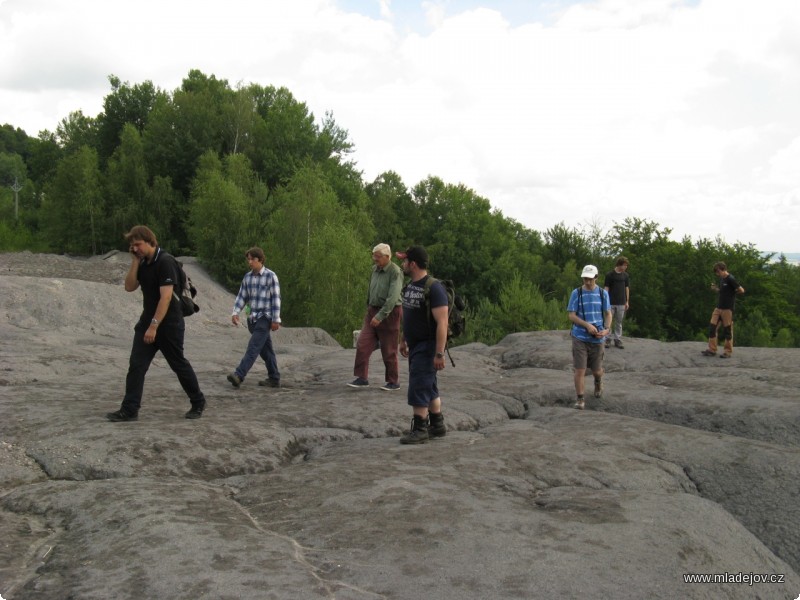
x: 385, y: 286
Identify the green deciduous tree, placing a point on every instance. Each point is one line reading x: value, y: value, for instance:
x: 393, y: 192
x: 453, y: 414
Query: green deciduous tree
x: 15, y: 238
x: 43, y: 154
x: 181, y: 129
x: 239, y: 119
x: 783, y: 339
x: 315, y: 250
x: 170, y: 213
x: 647, y: 248
x: 73, y: 204
x: 285, y: 136
x: 521, y: 307
x: 564, y: 243
x: 127, y: 190
x: 76, y: 131
x: 753, y: 330
x: 12, y: 168
x: 392, y: 210
x: 221, y: 219
x: 126, y: 105
x: 336, y: 296
x: 466, y: 240
x: 13, y: 140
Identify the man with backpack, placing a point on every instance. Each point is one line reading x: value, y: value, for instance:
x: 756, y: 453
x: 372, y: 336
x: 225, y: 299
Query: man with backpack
x: 590, y: 312
x: 160, y: 326
x: 423, y: 342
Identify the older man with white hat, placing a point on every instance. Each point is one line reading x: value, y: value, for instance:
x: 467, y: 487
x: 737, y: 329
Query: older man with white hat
x: 590, y: 312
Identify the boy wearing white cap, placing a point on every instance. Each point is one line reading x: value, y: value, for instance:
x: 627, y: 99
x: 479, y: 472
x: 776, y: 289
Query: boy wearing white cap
x: 590, y: 312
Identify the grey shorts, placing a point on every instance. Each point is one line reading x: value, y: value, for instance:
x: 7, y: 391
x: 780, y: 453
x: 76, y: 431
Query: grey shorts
x: 587, y: 354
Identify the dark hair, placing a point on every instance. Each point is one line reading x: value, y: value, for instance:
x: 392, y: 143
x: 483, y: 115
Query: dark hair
x: 419, y: 255
x: 255, y: 252
x: 720, y: 266
x: 622, y: 261
x: 141, y: 233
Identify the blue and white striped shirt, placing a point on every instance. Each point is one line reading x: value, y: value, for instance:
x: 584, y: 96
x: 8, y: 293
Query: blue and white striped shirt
x: 589, y: 307
x: 263, y: 293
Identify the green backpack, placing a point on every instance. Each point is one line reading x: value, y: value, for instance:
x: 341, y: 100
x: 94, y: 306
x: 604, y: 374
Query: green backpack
x: 456, y: 319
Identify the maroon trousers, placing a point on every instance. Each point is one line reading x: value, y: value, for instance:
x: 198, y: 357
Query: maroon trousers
x: 387, y: 335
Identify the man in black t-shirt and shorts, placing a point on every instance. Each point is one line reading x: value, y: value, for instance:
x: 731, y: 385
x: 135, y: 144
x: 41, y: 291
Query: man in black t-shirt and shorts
x: 423, y: 341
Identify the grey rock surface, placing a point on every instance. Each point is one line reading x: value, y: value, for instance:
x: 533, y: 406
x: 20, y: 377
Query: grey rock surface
x: 688, y: 464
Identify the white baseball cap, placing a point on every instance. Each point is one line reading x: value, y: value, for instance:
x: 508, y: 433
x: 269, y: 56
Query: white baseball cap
x: 589, y: 271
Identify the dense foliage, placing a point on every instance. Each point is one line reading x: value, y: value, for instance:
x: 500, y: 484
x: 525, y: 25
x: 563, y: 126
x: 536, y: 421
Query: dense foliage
x: 214, y: 170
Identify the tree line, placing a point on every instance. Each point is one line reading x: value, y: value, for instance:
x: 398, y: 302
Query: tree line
x: 215, y: 169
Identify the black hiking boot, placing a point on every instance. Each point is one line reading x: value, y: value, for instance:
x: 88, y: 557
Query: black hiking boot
x: 436, y: 426
x: 418, y: 433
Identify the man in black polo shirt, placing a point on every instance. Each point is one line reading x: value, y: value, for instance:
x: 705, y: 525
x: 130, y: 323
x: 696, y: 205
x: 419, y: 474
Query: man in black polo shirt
x: 160, y: 326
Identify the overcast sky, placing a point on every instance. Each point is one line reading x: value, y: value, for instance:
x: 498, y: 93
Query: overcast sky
x: 682, y: 112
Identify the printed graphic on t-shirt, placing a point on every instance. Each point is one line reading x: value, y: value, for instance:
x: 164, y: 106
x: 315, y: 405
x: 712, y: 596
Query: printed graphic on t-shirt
x: 414, y: 296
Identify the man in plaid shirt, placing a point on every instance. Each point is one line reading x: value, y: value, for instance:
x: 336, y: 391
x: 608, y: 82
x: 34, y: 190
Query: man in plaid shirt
x: 260, y: 289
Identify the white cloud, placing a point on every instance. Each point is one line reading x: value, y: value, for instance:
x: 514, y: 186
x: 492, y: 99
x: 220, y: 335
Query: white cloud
x: 783, y: 167
x: 682, y: 113
x: 386, y: 9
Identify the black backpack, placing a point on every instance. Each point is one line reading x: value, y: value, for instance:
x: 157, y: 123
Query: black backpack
x: 187, y: 292
x: 456, y: 319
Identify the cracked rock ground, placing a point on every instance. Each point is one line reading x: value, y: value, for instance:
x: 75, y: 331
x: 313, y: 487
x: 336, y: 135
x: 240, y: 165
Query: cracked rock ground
x: 686, y: 465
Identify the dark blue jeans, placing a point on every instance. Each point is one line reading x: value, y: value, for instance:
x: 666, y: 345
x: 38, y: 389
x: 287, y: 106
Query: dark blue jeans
x: 169, y: 341
x: 260, y: 345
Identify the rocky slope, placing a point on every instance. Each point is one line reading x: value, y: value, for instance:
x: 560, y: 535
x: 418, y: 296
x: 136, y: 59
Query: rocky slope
x: 687, y: 464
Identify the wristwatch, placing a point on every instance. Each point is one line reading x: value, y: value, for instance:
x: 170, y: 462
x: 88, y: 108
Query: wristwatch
x: 440, y: 355
x: 153, y: 321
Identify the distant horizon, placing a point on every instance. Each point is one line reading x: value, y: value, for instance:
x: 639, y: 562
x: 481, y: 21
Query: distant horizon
x: 792, y: 257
